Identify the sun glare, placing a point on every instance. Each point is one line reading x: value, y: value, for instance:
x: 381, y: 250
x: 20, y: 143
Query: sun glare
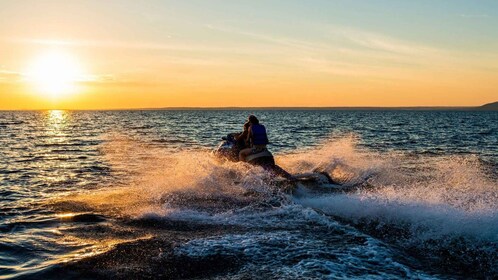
x: 55, y: 73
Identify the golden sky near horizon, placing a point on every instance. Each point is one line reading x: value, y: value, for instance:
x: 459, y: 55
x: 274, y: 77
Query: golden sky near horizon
x: 126, y: 54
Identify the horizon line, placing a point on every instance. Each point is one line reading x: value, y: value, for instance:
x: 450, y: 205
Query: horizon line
x: 263, y: 108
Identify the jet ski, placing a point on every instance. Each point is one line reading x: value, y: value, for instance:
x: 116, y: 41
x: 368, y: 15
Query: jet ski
x: 229, y: 148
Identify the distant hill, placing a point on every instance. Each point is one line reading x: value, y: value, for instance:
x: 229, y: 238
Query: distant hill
x: 489, y: 107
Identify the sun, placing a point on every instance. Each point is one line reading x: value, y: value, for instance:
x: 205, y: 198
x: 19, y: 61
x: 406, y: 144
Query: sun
x: 55, y: 73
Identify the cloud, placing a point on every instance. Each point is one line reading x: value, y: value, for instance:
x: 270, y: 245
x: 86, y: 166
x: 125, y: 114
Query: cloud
x: 98, y: 79
x: 10, y: 76
x: 380, y: 42
x: 345, y: 50
x: 102, y: 80
x: 7, y: 76
x: 335, y: 67
x: 359, y: 38
x: 107, y: 44
x: 277, y: 40
x: 474, y: 15
x: 160, y: 46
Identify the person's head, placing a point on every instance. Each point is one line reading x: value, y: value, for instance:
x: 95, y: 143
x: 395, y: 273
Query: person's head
x: 253, y: 120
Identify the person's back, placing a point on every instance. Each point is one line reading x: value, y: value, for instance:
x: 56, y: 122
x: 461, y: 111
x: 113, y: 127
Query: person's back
x: 257, y: 138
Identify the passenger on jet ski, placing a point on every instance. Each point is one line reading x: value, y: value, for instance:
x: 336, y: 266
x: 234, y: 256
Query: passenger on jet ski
x: 256, y: 138
x: 241, y: 138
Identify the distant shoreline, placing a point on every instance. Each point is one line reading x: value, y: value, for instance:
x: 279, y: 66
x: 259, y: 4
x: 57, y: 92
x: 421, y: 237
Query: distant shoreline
x: 411, y: 108
x: 486, y: 107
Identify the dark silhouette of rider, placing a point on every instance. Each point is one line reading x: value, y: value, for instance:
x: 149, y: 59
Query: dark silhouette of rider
x: 256, y: 138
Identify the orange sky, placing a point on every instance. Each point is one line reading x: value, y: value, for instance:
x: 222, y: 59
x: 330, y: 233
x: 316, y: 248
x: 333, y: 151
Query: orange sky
x: 121, y: 54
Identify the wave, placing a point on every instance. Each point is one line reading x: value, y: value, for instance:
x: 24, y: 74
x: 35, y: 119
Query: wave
x: 441, y: 210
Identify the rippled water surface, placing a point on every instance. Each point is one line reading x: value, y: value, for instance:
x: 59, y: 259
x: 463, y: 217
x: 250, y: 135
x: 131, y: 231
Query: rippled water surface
x: 138, y: 194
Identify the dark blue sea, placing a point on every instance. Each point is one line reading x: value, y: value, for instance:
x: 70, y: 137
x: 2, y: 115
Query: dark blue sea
x: 138, y: 194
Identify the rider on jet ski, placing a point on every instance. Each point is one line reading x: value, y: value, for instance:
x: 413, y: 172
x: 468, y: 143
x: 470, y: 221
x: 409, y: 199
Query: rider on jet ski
x: 250, y: 146
x: 255, y: 136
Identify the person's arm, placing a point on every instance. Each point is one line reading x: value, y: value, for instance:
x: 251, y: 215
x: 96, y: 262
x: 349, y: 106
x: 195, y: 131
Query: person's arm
x: 249, y: 135
x: 238, y: 135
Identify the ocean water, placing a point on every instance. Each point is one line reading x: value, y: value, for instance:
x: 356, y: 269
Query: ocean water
x: 138, y: 194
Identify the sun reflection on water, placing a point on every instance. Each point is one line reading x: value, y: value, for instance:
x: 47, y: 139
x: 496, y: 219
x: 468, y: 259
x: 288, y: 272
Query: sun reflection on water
x: 57, y: 137
x: 56, y: 121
